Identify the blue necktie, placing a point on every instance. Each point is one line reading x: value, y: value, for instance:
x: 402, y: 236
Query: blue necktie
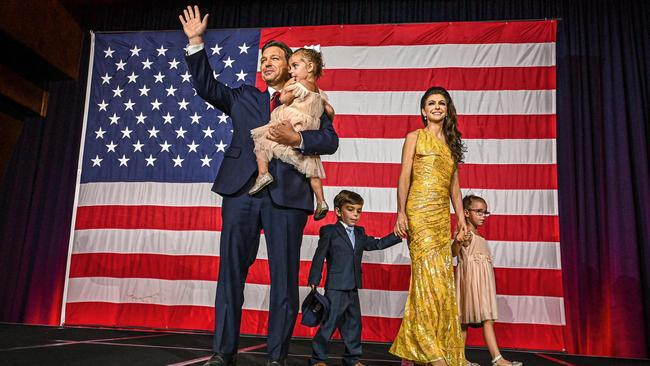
x: 350, y: 231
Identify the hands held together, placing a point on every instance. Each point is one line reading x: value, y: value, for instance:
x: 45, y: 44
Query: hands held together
x: 461, y: 234
x: 401, y: 225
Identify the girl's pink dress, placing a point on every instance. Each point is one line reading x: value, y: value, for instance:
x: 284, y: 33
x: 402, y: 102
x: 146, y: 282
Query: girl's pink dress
x: 304, y: 113
x: 475, y: 286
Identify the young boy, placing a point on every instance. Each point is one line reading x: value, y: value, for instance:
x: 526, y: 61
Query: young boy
x: 343, y: 244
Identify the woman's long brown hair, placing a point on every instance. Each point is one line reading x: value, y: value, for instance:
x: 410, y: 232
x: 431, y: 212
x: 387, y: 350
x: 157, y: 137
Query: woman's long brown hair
x: 449, y: 125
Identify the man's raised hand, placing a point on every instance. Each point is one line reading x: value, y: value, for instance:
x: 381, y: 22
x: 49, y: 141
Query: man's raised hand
x: 193, y: 25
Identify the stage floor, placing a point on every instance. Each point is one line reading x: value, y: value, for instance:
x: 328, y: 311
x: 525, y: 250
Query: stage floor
x: 41, y: 345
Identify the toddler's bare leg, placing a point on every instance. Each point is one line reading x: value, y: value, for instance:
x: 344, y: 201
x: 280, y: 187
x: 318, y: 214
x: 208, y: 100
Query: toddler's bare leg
x: 317, y: 187
x: 262, y: 163
x: 321, y: 205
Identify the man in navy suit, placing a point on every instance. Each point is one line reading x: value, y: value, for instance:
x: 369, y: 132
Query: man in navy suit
x: 281, y: 209
x: 342, y: 244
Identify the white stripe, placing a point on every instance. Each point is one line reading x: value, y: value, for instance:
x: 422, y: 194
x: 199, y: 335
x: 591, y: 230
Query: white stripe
x: 479, y: 151
x: 481, y: 102
x: 389, y: 304
x: 502, y: 201
x: 148, y: 193
x: 526, y: 255
x: 518, y: 202
x: 143, y: 241
x: 531, y: 309
x: 438, y: 55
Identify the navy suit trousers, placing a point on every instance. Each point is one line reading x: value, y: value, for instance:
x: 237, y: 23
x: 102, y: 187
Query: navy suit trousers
x: 344, y: 314
x: 243, y: 217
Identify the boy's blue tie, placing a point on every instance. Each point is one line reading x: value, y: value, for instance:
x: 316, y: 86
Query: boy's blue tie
x: 350, y: 231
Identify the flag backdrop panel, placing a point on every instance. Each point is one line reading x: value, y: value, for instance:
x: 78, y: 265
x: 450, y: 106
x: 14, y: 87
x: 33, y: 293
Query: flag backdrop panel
x: 145, y: 249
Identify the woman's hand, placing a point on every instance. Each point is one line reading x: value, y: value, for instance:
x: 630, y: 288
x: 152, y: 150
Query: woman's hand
x: 401, y: 225
x: 461, y: 231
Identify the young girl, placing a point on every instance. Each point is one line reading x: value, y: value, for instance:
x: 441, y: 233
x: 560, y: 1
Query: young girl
x: 475, y: 286
x: 302, y: 105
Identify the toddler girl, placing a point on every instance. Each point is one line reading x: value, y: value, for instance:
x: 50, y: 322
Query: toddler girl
x: 302, y: 105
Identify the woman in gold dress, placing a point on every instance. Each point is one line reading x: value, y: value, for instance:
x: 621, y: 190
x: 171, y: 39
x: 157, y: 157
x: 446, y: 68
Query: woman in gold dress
x: 430, y: 333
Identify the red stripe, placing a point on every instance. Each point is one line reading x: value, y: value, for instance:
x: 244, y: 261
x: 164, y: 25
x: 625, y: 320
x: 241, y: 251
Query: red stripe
x: 507, y: 126
x: 453, y: 78
x: 471, y: 126
x: 521, y: 228
x: 149, y: 217
x: 388, y: 277
x: 497, y: 176
x: 160, y: 266
x: 529, y: 282
x: 413, y: 34
x: 532, y: 336
x: 508, y: 176
x: 498, y: 227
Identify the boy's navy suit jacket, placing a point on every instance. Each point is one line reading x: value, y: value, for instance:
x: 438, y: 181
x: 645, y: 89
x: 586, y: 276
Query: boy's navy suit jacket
x: 344, y: 262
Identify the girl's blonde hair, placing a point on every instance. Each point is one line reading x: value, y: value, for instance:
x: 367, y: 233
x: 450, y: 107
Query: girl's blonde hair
x: 314, y: 57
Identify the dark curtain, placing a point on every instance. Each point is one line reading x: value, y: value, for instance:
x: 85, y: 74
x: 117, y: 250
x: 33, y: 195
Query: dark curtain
x: 603, y: 136
x: 604, y: 178
x: 36, y: 200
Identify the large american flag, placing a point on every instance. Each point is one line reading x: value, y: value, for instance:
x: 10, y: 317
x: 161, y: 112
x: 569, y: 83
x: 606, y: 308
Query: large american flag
x: 145, y: 249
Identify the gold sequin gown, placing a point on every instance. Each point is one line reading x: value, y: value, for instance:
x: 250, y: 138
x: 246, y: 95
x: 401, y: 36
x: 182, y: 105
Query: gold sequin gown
x: 430, y: 329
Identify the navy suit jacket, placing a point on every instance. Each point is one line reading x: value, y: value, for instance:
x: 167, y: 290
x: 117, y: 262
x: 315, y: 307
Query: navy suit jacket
x: 344, y: 262
x: 249, y: 108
